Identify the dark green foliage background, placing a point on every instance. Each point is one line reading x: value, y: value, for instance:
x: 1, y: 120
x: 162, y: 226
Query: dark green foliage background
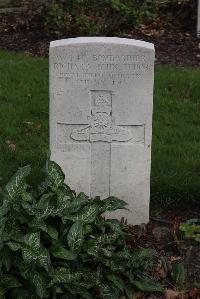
x: 114, y: 17
x: 91, y: 17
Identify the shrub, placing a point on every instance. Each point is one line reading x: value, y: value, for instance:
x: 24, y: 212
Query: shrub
x: 55, y: 244
x: 89, y: 17
x: 191, y: 229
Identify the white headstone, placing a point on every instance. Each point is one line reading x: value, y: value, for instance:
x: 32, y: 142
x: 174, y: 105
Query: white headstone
x: 101, y: 100
x: 198, y: 20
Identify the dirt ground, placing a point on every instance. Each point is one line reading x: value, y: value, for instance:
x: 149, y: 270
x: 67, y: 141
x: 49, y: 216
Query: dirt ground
x: 163, y: 234
x: 174, y: 45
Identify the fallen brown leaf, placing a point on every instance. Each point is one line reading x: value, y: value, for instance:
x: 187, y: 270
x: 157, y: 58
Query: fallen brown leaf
x: 12, y: 146
x: 171, y: 294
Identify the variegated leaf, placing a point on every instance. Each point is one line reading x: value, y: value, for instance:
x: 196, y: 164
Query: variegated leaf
x: 27, y: 197
x: 116, y: 280
x: 40, y: 256
x: 32, y: 240
x: 38, y: 282
x: 75, y: 236
x: 66, y: 275
x: 87, y: 215
x: 62, y: 253
x: 112, y: 203
x: 115, y: 225
x: 17, y: 183
x: 39, y: 224
x: 55, y: 175
x: 52, y: 232
x: 14, y: 246
x: 76, y: 204
x: 108, y: 292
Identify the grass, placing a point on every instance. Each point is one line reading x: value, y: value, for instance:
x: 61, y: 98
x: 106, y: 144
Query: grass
x: 176, y: 128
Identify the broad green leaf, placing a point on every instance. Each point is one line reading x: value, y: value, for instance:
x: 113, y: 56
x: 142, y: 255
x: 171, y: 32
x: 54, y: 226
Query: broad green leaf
x: 116, y: 280
x: 107, y: 252
x: 124, y: 253
x: 179, y: 273
x: 28, y: 208
x: 44, y: 199
x: 65, y: 275
x: 112, y: 204
x: 48, y: 211
x: 52, y: 232
x: 44, y: 258
x: 55, y: 175
x: 87, y: 215
x: 87, y: 229
x: 32, y: 240
x: 115, y: 225
x: 38, y: 223
x: 40, y: 256
x: 17, y: 183
x: 83, y: 196
x: 146, y: 286
x: 75, y: 236
x: 107, y: 239
x: 27, y: 197
x: 67, y: 191
x: 76, y: 204
x: 9, y: 282
x: 108, y: 292
x: 62, y: 253
x: 14, y: 246
x: 63, y: 205
x: 46, y: 206
x: 143, y: 258
x: 93, y: 250
x: 38, y: 282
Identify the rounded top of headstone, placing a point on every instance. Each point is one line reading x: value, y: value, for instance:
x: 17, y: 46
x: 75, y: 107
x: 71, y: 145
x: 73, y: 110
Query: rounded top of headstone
x: 102, y: 40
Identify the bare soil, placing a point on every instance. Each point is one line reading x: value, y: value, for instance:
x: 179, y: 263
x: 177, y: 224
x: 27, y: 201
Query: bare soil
x: 174, y: 45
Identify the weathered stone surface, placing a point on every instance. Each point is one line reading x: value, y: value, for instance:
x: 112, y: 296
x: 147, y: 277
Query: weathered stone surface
x: 101, y: 100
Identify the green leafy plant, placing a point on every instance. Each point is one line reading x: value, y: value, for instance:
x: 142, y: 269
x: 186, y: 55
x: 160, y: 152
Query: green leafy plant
x: 178, y: 274
x: 57, y: 20
x: 56, y: 244
x: 90, y: 17
x: 191, y: 229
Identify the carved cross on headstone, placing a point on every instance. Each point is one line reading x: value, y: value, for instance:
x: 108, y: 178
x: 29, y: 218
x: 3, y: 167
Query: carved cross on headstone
x: 102, y: 132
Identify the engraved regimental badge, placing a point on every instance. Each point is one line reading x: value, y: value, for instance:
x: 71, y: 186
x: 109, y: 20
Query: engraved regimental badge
x: 101, y: 125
